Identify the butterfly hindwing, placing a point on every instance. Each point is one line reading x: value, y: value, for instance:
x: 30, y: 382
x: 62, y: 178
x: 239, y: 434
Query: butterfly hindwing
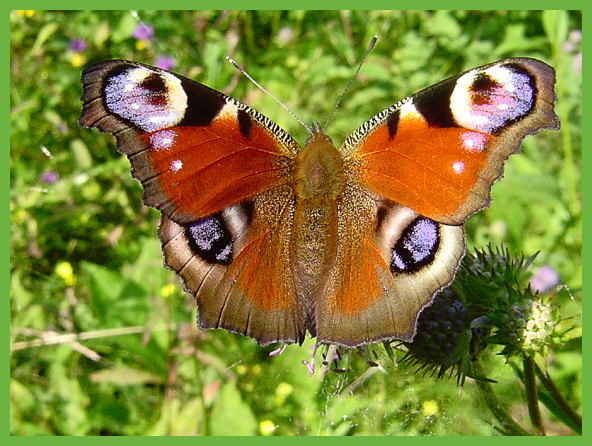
x: 390, y: 263
x: 236, y: 264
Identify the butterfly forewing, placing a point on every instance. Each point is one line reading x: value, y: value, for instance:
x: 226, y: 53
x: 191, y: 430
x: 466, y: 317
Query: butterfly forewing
x: 439, y: 151
x: 194, y: 149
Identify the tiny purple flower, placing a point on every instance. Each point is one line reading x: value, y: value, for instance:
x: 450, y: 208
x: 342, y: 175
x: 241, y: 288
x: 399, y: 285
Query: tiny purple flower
x: 143, y: 32
x: 544, y: 279
x: 568, y: 47
x: 573, y: 41
x: 165, y: 62
x: 49, y: 177
x: 77, y: 45
x: 285, y: 35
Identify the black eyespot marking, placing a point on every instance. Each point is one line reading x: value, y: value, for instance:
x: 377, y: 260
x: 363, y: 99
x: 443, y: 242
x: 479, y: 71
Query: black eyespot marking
x: 392, y: 123
x: 416, y: 247
x: 483, y: 84
x: 519, y: 69
x: 210, y: 239
x: 114, y: 72
x: 154, y: 83
x: 434, y: 103
x: 244, y: 123
x: 203, y: 104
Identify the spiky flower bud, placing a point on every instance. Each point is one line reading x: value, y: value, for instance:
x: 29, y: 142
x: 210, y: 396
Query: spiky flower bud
x: 527, y: 324
x: 493, y: 281
x: 439, y: 327
x: 445, y: 338
x: 486, y: 298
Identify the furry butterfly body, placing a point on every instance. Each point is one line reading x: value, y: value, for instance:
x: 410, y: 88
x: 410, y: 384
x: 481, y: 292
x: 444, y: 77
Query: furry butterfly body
x: 348, y: 244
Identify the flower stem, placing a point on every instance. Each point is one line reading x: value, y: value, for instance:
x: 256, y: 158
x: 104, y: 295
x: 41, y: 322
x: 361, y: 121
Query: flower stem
x: 574, y: 420
x: 497, y: 408
x: 531, y: 394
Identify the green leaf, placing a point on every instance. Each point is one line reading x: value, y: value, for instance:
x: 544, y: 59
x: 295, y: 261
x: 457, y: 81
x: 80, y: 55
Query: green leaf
x: 105, y: 284
x: 124, y: 28
x: 230, y: 415
x: 556, y: 23
x: 81, y: 154
x: 43, y: 35
x: 20, y: 294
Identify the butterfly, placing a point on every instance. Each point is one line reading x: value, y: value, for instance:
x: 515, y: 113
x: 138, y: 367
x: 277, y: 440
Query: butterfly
x: 347, y: 244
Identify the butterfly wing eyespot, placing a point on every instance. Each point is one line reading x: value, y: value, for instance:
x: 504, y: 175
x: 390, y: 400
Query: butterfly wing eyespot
x: 440, y: 150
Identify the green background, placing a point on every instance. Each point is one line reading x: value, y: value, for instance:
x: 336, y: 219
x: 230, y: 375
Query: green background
x: 145, y: 368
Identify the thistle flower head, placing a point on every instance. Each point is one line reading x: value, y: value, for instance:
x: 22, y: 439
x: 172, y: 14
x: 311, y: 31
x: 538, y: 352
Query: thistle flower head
x: 488, y: 303
x: 445, y: 338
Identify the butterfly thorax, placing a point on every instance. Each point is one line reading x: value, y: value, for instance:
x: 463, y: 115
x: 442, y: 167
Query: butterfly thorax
x: 319, y: 170
x: 319, y: 181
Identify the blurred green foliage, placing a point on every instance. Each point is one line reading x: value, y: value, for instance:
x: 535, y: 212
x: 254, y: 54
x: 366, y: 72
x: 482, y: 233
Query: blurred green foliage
x: 85, y: 258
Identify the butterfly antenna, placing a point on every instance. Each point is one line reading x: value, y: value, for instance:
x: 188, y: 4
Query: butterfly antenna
x: 372, y: 43
x: 236, y: 65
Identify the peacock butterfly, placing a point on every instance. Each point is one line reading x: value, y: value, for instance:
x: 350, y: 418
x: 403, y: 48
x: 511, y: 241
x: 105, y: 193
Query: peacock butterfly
x: 347, y: 244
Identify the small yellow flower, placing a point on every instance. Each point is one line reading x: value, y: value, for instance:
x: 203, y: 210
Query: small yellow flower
x: 19, y: 216
x: 241, y: 369
x: 282, y: 391
x: 66, y: 273
x: 429, y: 408
x: 28, y: 13
x: 77, y: 60
x: 167, y: 290
x: 140, y: 45
x: 267, y: 427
